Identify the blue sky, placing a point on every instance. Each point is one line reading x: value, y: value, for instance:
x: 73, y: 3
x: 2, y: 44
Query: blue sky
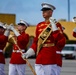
x: 29, y: 10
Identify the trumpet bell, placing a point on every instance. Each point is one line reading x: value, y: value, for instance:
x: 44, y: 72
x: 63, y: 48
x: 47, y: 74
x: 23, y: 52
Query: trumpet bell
x: 12, y: 40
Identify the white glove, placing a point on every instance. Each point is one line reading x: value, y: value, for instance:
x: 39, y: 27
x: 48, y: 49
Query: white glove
x: 54, y: 27
x: 8, y: 27
x: 7, y: 31
x: 11, y: 27
x: 74, y: 30
x: 29, y: 53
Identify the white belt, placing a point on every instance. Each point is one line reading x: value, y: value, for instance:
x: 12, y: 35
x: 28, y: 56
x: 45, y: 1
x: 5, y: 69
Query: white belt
x: 1, y: 51
x: 58, y: 52
x: 17, y: 51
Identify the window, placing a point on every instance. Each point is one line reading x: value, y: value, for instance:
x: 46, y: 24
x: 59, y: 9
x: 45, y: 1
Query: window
x: 68, y: 48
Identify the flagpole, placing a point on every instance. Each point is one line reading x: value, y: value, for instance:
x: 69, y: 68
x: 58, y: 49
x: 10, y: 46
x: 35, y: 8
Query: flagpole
x: 68, y: 10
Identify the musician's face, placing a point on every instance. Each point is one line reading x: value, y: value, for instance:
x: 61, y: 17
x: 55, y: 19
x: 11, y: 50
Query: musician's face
x: 2, y: 31
x: 47, y: 13
x: 21, y: 28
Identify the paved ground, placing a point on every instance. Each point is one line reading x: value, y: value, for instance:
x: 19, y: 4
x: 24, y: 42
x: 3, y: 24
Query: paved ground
x: 68, y: 68
x: 28, y: 71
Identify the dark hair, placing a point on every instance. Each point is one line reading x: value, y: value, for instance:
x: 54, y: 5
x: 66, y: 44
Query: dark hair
x: 45, y: 9
x: 21, y: 24
x: 74, y: 17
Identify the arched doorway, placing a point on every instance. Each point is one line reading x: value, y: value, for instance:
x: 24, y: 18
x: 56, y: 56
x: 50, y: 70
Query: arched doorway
x: 30, y: 41
x: 66, y: 36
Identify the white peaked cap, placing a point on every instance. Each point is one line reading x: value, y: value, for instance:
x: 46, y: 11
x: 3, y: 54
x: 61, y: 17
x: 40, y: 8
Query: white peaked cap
x: 2, y: 25
x: 22, y: 22
x: 47, y: 7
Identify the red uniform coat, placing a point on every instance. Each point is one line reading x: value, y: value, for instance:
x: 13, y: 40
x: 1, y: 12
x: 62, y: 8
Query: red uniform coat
x: 60, y: 44
x: 74, y: 34
x: 47, y: 55
x: 3, y: 41
x: 22, y: 41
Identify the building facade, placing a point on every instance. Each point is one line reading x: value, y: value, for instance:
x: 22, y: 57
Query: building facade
x: 69, y: 26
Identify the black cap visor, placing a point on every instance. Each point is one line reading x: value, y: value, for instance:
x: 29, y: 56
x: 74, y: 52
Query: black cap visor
x: 45, y: 9
x: 1, y: 27
x: 21, y: 24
